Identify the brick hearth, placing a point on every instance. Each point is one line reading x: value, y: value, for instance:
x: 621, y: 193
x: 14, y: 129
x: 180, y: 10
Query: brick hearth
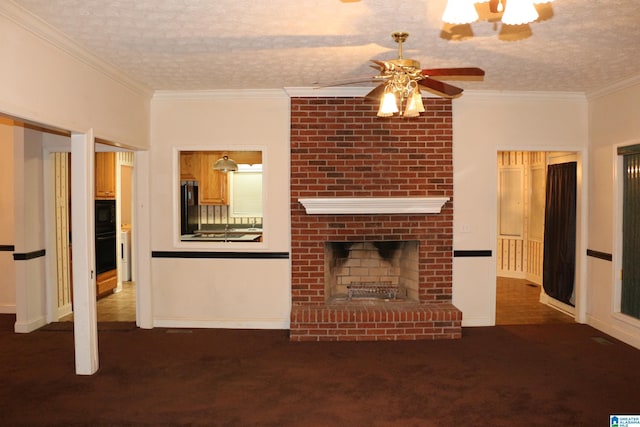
x: 339, y: 148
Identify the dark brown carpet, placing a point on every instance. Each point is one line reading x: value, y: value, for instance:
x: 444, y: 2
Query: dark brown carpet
x: 528, y: 375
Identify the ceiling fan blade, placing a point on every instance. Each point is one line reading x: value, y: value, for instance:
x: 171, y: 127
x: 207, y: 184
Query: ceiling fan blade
x: 440, y: 88
x: 375, y: 93
x: 453, y: 73
x: 347, y: 82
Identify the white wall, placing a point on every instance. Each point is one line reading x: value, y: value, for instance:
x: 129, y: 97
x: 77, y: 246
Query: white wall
x: 220, y: 292
x: 483, y: 124
x: 613, y: 121
x: 47, y: 79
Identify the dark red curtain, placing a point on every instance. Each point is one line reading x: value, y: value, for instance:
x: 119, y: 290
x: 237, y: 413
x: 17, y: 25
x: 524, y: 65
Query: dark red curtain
x: 559, y: 265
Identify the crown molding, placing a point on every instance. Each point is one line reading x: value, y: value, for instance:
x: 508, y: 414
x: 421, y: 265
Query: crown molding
x: 614, y: 87
x: 335, y: 92
x: 49, y: 34
x: 360, y: 91
x: 488, y: 95
x: 328, y: 92
x: 219, y: 94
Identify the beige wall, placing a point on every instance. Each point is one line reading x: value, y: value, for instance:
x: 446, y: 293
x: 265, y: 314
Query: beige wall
x: 484, y: 124
x: 613, y: 121
x: 220, y: 292
x: 52, y: 82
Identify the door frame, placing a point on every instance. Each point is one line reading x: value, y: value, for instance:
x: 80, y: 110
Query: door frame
x: 581, y: 287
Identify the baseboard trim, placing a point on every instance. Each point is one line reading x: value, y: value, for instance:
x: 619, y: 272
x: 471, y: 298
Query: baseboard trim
x: 64, y: 310
x: 478, y: 321
x: 32, y: 325
x: 8, y: 309
x: 624, y: 336
x: 223, y: 324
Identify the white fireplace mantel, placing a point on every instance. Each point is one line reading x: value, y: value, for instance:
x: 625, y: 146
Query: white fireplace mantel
x: 373, y: 205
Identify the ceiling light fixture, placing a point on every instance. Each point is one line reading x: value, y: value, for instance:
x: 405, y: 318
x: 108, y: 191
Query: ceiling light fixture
x: 519, y: 12
x: 514, y: 12
x: 459, y: 12
x: 225, y: 164
x: 401, y: 92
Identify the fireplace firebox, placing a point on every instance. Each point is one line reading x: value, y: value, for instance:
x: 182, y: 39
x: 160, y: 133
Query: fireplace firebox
x: 379, y: 271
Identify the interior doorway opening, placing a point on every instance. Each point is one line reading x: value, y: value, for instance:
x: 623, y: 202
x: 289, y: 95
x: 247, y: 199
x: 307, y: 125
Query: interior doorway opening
x: 523, y: 278
x: 116, y: 290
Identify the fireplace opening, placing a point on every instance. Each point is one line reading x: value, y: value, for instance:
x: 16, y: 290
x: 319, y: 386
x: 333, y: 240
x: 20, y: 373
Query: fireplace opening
x: 378, y: 271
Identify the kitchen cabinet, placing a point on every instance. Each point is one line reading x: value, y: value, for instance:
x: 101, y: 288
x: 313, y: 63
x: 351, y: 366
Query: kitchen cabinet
x: 213, y: 185
x: 105, y: 175
x: 106, y: 282
x: 189, y: 165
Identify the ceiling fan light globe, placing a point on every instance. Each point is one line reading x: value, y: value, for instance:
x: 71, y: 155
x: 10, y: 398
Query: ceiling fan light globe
x: 519, y: 12
x: 459, y: 12
x: 417, y: 99
x: 414, y: 105
x: 388, y: 105
x: 411, y: 110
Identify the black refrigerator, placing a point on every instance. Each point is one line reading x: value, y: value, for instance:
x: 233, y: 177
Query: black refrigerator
x: 189, y: 209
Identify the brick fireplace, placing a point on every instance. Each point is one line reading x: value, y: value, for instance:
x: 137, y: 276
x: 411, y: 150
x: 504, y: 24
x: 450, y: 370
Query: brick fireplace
x: 340, y: 150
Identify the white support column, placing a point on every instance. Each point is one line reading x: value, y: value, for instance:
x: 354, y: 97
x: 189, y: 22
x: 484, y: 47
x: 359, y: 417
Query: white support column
x: 142, y: 240
x: 22, y: 289
x: 84, y: 276
x: 29, y: 230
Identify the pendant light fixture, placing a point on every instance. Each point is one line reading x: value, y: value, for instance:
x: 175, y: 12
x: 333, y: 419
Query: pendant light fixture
x: 225, y: 164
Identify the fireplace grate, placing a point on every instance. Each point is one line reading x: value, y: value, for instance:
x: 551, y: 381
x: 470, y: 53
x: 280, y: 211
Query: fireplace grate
x: 381, y: 290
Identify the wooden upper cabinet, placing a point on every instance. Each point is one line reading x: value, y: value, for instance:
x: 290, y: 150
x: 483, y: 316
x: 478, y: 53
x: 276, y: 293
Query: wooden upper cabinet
x: 105, y: 172
x: 213, y: 184
x: 190, y: 166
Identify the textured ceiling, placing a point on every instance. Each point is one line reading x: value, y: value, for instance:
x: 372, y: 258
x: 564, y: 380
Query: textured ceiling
x: 577, y: 45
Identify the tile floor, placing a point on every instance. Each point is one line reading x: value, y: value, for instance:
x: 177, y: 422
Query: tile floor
x: 517, y: 303
x: 118, y: 307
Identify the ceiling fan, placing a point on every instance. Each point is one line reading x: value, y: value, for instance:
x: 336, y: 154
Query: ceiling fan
x: 402, y: 79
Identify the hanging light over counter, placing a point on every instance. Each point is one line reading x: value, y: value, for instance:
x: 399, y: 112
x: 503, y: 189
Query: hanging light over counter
x: 225, y: 164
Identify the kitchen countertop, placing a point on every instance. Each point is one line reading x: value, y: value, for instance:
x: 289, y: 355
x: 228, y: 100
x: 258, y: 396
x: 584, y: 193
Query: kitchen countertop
x: 221, y: 236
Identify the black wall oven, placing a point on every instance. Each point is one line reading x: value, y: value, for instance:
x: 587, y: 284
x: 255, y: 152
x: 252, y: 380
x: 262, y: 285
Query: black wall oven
x: 105, y: 227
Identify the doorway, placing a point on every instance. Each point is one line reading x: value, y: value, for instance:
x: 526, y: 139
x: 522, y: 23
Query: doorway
x: 521, y: 294
x: 117, y: 304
